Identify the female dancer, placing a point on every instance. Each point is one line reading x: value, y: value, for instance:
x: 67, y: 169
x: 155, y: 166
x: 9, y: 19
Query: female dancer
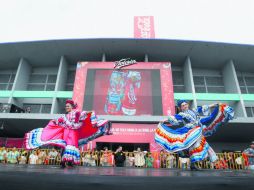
x: 191, y: 136
x: 69, y: 132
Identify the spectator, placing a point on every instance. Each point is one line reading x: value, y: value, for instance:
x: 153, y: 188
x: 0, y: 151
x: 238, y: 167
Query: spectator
x: 119, y: 157
x: 229, y: 158
x: 130, y: 160
x: 3, y: 154
x: 93, y: 159
x: 221, y: 163
x: 184, y: 162
x: 28, y: 109
x: 163, y: 159
x: 52, y: 156
x: 41, y: 156
x: 139, y: 158
x: 58, y: 158
x: 149, y: 160
x: 33, y: 158
x: 23, y: 157
x: 106, y: 157
x: 250, y: 154
x: 239, y: 160
x: 13, y: 156
x: 82, y: 155
x: 103, y: 160
x: 170, y: 161
x: 46, y: 160
x: 86, y: 158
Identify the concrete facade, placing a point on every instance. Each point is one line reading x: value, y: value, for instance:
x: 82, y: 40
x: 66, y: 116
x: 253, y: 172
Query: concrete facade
x: 53, y: 71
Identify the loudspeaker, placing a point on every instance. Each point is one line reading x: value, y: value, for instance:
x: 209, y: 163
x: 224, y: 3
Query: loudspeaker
x: 10, y: 108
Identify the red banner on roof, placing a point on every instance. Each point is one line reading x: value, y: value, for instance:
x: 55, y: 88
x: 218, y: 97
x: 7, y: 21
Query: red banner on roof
x: 144, y: 27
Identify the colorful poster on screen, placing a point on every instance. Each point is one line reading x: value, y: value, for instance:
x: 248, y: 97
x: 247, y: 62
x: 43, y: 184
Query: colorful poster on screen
x: 144, y: 27
x: 139, y: 89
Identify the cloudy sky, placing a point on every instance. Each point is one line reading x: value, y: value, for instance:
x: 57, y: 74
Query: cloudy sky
x: 203, y: 20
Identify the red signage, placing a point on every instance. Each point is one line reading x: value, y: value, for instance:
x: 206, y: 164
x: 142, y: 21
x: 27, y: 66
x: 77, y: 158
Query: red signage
x: 139, y: 89
x: 144, y: 27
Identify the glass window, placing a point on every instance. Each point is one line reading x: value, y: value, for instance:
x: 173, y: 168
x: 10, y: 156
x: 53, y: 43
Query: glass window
x: 10, y: 86
x: 34, y: 108
x: 50, y: 87
x: 69, y: 87
x: 12, y: 78
x: 52, y: 79
x: 46, y: 108
x: 179, y: 89
x: 215, y: 89
x: 178, y: 78
x: 3, y: 86
x: 61, y: 102
x: 241, y: 81
x: 37, y: 78
x: 243, y: 90
x: 214, y: 81
x: 199, y: 89
x: 249, y: 81
x: 4, y: 78
x: 199, y: 80
x: 71, y: 76
x: 249, y: 111
x: 250, y: 90
x: 35, y: 87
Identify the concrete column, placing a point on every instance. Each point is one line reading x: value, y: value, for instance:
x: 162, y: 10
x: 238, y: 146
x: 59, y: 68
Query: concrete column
x: 231, y: 85
x: 21, y: 80
x: 146, y: 58
x: 230, y: 78
x: 103, y: 59
x: 62, y: 75
x: 22, y: 76
x: 60, y: 82
x: 188, y: 80
x: 55, y: 109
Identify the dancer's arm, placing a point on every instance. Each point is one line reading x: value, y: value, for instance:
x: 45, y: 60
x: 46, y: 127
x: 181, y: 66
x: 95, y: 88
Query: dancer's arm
x: 248, y: 153
x: 174, y: 120
x: 83, y: 115
x: 214, y: 105
x: 206, y: 109
x: 64, y: 122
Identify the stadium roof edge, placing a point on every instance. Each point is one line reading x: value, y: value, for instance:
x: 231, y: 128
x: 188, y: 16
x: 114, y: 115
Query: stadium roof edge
x: 202, y: 54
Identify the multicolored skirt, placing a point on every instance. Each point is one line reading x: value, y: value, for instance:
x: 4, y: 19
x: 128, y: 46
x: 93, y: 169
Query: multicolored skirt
x: 193, y: 138
x: 69, y: 139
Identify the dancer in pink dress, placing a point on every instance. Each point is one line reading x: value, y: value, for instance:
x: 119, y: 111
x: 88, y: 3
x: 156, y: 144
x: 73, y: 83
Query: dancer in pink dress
x: 69, y: 131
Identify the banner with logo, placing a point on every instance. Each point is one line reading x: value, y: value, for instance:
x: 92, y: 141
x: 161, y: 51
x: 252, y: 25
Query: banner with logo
x: 144, y: 27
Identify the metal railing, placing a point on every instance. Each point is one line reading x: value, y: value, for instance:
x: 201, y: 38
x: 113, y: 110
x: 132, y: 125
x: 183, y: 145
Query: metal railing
x: 233, y: 161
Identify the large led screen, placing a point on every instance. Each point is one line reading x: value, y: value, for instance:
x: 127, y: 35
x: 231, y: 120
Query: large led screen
x: 135, y: 90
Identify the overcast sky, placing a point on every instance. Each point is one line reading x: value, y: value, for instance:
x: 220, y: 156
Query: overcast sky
x: 204, y: 20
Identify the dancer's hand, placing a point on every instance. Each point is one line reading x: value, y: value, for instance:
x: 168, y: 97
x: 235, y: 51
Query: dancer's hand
x: 165, y: 120
x: 214, y: 105
x: 89, y: 112
x: 60, y: 120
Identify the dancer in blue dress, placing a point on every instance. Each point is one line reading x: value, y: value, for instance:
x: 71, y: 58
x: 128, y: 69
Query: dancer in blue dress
x: 191, y: 136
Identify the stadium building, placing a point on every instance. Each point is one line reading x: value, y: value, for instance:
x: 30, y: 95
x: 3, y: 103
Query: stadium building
x: 37, y: 77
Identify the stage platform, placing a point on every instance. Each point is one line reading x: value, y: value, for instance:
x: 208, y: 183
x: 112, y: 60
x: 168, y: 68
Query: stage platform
x: 39, y: 177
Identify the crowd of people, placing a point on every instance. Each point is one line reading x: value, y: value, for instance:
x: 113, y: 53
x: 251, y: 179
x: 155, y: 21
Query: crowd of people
x: 119, y: 158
